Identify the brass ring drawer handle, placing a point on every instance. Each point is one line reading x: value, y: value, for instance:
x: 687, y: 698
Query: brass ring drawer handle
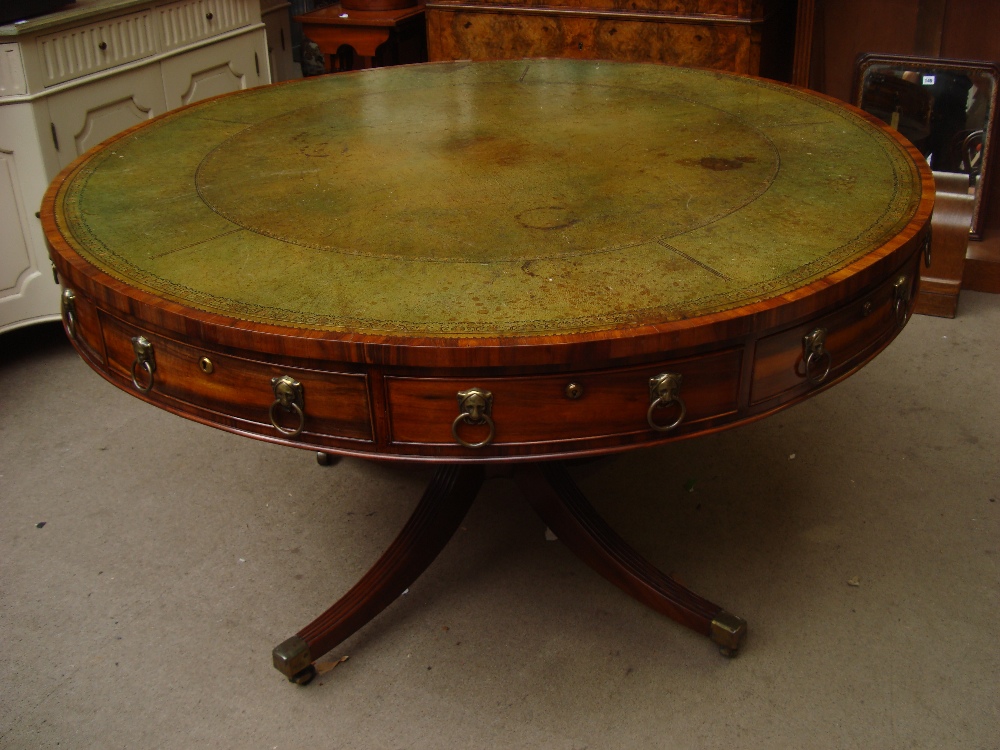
x: 903, y: 293
x: 69, y: 312
x: 815, y: 352
x: 288, y: 394
x: 663, y: 391
x: 475, y: 406
x: 144, y: 362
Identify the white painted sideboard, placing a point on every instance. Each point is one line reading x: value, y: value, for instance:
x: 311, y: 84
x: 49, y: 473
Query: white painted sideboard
x: 277, y: 17
x: 71, y: 79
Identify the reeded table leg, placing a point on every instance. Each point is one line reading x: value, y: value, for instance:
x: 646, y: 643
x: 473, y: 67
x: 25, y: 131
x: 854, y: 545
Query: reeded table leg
x: 442, y: 508
x: 565, y: 510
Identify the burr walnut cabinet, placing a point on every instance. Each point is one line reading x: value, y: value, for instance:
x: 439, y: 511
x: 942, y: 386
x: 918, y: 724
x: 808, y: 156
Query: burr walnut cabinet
x: 742, y: 36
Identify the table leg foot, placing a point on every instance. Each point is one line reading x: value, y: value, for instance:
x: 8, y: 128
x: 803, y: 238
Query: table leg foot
x: 566, y: 511
x: 728, y: 632
x: 294, y: 660
x: 436, y: 518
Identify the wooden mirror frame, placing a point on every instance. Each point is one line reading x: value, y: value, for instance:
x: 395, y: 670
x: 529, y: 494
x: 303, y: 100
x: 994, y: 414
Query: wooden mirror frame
x: 867, y: 61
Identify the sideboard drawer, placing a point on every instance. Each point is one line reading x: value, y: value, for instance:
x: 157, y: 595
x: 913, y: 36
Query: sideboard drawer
x: 213, y: 385
x: 555, y: 408
x: 95, y: 47
x: 190, y: 21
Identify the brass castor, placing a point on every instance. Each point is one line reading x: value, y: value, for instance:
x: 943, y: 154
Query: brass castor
x: 326, y: 459
x: 303, y: 677
x: 729, y: 632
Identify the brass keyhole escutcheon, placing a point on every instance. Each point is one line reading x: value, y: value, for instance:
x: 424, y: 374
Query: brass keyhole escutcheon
x: 206, y: 365
x: 574, y: 391
x: 475, y: 407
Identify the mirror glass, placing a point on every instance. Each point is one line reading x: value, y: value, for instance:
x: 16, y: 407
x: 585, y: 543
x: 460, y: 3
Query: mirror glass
x: 944, y: 107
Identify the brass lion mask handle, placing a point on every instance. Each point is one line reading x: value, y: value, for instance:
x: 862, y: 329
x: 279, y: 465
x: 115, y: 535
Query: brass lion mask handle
x: 144, y: 362
x: 903, y: 293
x: 664, y: 390
x: 69, y: 311
x: 475, y: 407
x: 289, y: 396
x: 816, y: 356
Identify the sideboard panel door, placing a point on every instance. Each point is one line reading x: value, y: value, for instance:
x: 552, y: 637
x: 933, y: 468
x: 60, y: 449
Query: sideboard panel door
x: 222, y: 68
x: 86, y: 115
x: 28, y: 292
x: 15, y: 260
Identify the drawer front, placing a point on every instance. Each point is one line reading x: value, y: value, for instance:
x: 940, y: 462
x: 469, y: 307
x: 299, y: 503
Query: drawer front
x: 211, y: 385
x: 190, y: 21
x: 82, y: 323
x: 852, y: 334
x: 558, y: 408
x: 90, y: 49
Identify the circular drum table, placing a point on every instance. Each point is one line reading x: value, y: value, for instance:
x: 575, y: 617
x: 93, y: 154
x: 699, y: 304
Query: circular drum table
x: 468, y: 263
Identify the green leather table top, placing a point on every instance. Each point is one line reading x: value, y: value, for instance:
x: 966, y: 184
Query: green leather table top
x: 509, y: 198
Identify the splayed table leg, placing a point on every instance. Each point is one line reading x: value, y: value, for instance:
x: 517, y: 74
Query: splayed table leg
x: 435, y: 520
x: 566, y: 511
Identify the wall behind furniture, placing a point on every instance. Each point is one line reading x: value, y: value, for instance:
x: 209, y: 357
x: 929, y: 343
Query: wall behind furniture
x: 832, y: 33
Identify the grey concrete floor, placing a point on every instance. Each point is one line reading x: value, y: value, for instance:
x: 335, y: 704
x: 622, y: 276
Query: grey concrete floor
x: 173, y: 557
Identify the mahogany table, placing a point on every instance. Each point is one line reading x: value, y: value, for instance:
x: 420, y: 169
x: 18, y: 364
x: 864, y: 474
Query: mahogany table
x: 474, y: 263
x: 365, y: 31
